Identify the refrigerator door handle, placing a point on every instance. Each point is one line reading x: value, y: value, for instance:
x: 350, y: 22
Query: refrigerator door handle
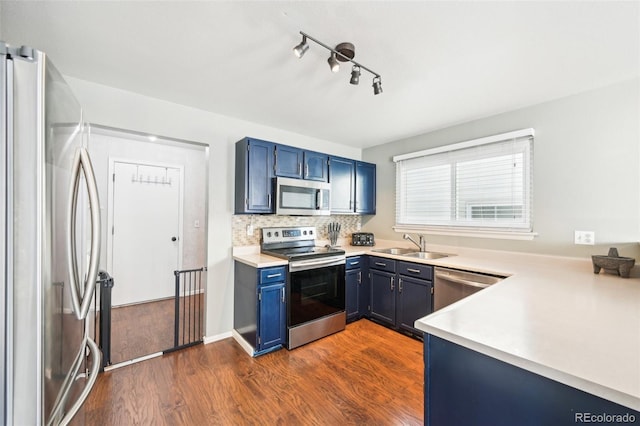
x: 82, y: 303
x: 96, y: 357
x: 61, y: 401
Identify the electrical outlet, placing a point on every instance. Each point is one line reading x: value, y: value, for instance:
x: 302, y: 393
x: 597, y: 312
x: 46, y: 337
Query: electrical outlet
x: 585, y: 237
x: 250, y: 230
x: 196, y: 224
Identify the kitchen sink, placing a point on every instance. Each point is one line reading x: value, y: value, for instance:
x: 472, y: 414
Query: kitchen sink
x: 395, y: 250
x: 426, y: 255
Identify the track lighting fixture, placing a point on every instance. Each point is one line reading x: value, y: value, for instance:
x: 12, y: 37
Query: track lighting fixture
x: 333, y: 63
x: 377, y: 85
x: 343, y: 52
x: 302, y: 48
x: 355, y: 75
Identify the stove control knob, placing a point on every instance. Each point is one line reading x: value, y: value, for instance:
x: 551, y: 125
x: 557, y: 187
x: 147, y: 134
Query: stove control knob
x: 310, y: 232
x: 269, y: 234
x: 304, y: 232
x: 276, y: 233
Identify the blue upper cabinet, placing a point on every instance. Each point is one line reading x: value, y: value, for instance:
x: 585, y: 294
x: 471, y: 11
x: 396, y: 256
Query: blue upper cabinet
x: 254, y: 173
x: 342, y: 176
x: 365, y: 188
x: 300, y: 164
x: 353, y: 186
x: 316, y: 166
x: 258, y: 162
x: 288, y: 161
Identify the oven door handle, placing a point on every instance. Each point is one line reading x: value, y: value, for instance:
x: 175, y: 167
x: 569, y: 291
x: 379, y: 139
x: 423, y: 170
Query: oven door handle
x: 301, y: 265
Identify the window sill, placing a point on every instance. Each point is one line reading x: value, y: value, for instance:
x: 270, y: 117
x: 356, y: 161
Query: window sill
x: 465, y: 232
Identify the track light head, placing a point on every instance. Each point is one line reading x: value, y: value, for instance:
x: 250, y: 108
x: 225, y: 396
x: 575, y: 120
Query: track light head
x: 355, y: 75
x: 377, y: 85
x: 333, y: 63
x: 301, y: 48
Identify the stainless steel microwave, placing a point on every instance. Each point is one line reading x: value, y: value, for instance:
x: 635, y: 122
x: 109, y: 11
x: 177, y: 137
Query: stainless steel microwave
x: 298, y: 197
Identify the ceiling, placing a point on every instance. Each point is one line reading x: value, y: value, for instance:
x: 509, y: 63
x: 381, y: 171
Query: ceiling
x: 441, y: 63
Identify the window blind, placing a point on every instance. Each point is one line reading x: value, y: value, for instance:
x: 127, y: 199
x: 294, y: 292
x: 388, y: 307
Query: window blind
x: 484, y: 184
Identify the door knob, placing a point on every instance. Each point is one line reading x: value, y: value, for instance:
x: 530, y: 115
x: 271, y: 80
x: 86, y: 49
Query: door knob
x: 173, y: 238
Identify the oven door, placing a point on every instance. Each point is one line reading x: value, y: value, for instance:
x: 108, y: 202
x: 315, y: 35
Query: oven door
x: 316, y: 289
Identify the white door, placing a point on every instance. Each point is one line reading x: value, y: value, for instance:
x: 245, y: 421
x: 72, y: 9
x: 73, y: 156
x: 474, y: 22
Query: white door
x: 145, y: 232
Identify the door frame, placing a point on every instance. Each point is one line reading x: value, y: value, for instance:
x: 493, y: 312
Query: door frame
x: 110, y: 203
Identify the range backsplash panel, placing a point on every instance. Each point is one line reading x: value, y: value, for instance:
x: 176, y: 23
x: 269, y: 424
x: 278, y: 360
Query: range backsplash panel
x: 349, y: 224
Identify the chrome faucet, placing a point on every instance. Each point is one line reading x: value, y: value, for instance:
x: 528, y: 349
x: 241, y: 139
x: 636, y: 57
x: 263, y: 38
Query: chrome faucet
x: 421, y: 241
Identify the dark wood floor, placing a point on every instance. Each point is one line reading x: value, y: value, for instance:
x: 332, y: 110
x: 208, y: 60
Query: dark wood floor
x: 365, y: 375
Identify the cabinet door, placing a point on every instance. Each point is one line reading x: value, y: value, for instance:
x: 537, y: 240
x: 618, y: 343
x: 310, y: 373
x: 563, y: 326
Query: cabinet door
x: 365, y: 188
x: 315, y: 166
x: 254, y: 173
x: 414, y: 301
x: 271, y: 307
x: 383, y: 296
x: 342, y: 179
x: 352, y: 305
x: 288, y: 161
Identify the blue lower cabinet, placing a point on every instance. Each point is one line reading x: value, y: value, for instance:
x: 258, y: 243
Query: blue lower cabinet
x: 356, y: 288
x: 400, y: 293
x: 272, y: 316
x: 260, y: 306
x: 464, y: 387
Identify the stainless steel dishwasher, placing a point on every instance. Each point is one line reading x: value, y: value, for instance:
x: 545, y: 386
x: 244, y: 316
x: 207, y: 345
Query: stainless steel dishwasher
x: 452, y: 285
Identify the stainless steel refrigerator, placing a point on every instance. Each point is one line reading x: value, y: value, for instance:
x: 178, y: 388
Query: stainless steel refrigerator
x: 51, y: 241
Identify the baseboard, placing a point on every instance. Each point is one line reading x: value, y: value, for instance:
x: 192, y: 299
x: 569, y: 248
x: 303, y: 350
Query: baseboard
x: 211, y: 339
x: 243, y: 343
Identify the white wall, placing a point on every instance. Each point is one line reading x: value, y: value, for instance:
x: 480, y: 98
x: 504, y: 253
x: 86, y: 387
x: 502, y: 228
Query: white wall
x: 126, y: 110
x: 586, y: 172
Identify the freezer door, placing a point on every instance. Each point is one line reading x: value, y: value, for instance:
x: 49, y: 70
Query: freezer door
x: 52, y: 248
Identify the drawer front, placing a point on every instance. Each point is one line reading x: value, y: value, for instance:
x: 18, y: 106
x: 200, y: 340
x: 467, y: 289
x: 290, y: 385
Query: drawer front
x: 382, y: 264
x: 417, y: 270
x: 353, y: 262
x: 273, y: 275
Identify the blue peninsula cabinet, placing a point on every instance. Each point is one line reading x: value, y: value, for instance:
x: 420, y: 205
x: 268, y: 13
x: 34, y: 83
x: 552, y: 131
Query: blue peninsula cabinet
x: 260, y: 306
x: 353, y: 186
x: 464, y: 387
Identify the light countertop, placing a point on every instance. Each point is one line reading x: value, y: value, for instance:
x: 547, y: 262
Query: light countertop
x: 552, y: 316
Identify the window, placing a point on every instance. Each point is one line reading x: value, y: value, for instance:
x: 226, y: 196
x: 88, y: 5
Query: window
x: 479, y: 187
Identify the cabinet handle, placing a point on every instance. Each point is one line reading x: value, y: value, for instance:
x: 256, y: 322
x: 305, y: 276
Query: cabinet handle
x: 392, y: 283
x: 360, y: 277
x: 282, y: 293
x: 413, y: 271
x: 399, y: 285
x: 355, y: 263
x: 300, y: 168
x: 306, y: 170
x: 384, y: 265
x: 269, y: 200
x: 273, y: 275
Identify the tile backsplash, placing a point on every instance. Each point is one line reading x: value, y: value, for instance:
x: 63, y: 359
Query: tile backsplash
x: 349, y: 223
